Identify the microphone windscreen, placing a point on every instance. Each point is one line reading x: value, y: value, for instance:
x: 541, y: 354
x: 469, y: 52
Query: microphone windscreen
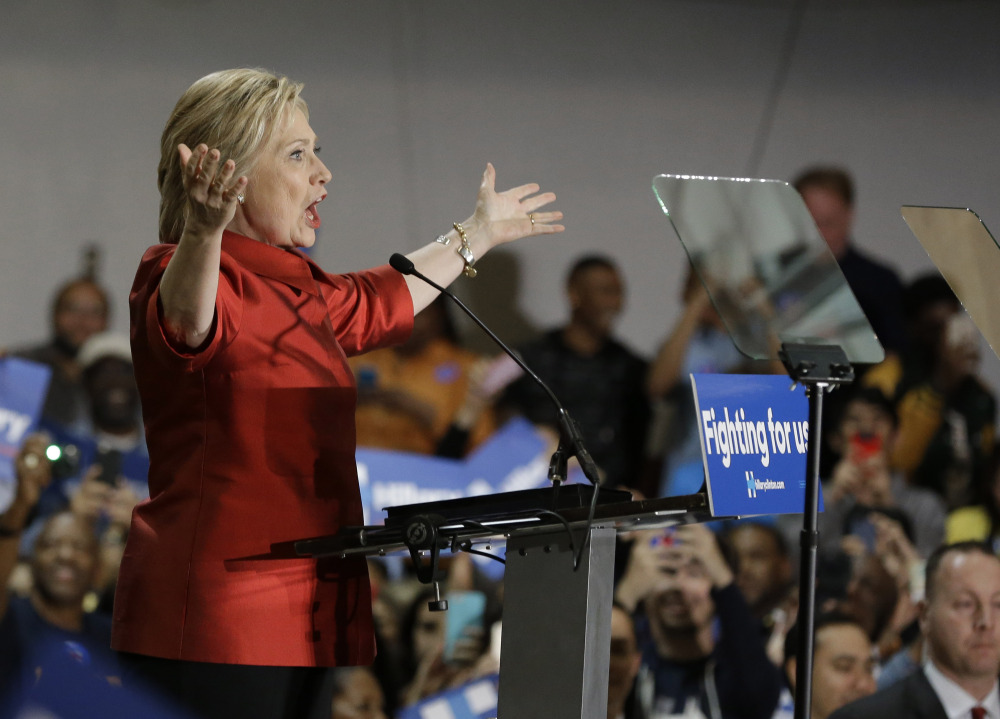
x: 401, y: 263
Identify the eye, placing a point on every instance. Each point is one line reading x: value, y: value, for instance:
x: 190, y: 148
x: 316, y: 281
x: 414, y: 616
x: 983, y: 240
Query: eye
x: 317, y: 149
x: 296, y: 155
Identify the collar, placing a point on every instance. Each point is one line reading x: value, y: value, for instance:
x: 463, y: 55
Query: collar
x: 956, y: 701
x: 287, y: 266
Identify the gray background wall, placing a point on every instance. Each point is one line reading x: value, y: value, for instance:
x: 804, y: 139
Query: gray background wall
x: 412, y: 97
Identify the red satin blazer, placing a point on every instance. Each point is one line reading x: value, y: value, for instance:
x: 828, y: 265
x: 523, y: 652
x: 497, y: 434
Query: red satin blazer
x: 251, y: 442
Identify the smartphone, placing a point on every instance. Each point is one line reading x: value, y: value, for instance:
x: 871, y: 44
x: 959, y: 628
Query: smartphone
x: 465, y: 610
x: 110, y: 463
x: 866, y: 445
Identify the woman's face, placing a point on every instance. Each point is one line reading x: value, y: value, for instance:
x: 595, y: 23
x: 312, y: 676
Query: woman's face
x: 289, y: 181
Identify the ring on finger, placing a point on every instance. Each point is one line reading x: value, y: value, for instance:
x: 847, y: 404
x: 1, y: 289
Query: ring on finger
x: 531, y: 217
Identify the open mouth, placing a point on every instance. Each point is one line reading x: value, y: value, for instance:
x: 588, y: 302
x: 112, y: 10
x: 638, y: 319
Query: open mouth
x: 312, y: 214
x: 312, y: 217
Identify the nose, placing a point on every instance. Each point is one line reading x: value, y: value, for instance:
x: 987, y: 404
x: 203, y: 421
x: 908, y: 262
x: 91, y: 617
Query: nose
x: 65, y: 551
x: 986, y: 617
x: 322, y: 174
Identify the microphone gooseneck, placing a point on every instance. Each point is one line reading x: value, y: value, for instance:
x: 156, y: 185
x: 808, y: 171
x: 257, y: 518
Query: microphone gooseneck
x: 570, y: 431
x: 570, y: 434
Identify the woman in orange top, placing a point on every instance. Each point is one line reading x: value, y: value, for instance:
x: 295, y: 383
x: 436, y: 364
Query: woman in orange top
x: 240, y: 345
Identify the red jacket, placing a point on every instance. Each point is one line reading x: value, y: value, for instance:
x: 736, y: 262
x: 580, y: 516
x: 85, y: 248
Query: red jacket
x: 251, y: 442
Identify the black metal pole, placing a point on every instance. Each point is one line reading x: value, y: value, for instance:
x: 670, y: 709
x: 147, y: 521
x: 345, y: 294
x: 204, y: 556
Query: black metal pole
x: 809, y: 539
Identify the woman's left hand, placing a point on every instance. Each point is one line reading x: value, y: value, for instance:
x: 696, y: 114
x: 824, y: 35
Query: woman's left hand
x: 509, y: 215
x: 500, y: 217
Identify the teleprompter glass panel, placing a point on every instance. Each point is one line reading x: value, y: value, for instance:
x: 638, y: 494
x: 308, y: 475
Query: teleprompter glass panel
x: 967, y: 256
x: 769, y: 273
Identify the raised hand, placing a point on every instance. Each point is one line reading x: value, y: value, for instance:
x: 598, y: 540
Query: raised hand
x: 512, y: 214
x: 697, y: 543
x: 91, y: 498
x: 121, y: 502
x: 33, y: 472
x: 212, y: 191
x: 649, y: 565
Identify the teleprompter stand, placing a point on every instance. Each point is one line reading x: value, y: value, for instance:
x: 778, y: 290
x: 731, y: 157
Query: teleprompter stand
x: 819, y: 368
x: 774, y: 283
x: 557, y: 618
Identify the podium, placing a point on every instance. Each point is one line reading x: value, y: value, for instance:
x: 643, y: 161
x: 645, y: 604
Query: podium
x: 557, y: 616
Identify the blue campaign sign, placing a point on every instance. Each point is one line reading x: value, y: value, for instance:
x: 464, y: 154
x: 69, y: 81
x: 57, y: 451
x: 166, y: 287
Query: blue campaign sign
x: 513, y: 458
x: 475, y: 700
x: 23, y: 385
x: 754, y: 434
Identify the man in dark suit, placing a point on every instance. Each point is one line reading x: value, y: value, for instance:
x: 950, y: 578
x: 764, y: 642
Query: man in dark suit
x: 960, y: 620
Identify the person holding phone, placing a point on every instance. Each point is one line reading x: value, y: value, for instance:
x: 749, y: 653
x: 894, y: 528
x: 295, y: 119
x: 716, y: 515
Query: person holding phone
x: 701, y: 649
x: 863, y: 481
x: 947, y: 413
x: 43, y: 631
x: 102, y: 474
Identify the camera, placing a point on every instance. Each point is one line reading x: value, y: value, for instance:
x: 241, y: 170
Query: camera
x: 64, y: 459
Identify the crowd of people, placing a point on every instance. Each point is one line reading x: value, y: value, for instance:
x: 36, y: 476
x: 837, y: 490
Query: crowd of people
x: 908, y: 593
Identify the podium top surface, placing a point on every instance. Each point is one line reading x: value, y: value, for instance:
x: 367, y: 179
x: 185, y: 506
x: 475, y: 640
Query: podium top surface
x: 500, y: 515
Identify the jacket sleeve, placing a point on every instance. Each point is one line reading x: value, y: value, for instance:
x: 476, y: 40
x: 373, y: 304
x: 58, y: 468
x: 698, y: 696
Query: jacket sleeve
x: 369, y: 309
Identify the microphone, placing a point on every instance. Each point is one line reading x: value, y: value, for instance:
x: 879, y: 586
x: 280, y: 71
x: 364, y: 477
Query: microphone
x: 570, y: 431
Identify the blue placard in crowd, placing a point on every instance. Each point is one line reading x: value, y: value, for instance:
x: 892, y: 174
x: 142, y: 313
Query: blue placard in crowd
x: 475, y: 700
x: 23, y: 385
x: 513, y: 458
x: 754, y: 434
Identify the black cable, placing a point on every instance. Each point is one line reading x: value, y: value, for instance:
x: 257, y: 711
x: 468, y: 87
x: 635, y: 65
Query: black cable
x: 569, y: 532
x: 586, y: 532
x: 763, y: 134
x: 467, y: 547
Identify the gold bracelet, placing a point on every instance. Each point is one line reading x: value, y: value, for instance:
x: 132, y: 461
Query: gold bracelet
x: 465, y: 251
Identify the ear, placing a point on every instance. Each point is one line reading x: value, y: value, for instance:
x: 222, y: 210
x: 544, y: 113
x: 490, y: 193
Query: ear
x: 790, y: 669
x: 923, y: 608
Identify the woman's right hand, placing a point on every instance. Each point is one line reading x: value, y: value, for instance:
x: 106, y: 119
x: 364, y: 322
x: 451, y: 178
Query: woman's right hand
x: 212, y: 193
x: 190, y: 283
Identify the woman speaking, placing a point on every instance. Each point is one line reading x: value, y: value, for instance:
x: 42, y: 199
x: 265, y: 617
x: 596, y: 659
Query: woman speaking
x: 239, y: 343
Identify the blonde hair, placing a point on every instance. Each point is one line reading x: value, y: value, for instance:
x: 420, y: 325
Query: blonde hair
x: 234, y: 111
